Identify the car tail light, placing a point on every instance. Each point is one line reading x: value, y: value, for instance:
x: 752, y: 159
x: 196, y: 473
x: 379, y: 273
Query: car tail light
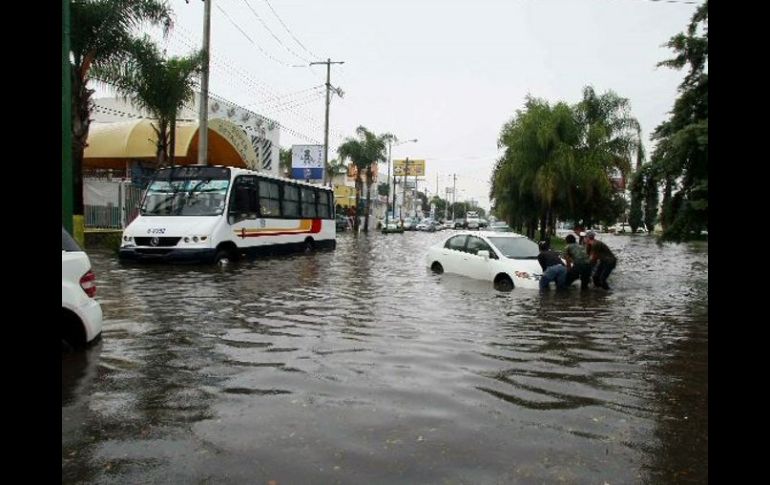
x: 88, y: 283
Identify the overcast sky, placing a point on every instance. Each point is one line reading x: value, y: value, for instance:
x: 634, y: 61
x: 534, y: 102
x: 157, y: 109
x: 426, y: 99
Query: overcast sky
x: 446, y: 72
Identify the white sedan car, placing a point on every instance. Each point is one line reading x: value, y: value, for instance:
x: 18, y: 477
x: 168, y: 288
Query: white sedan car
x: 507, y: 259
x: 82, y: 315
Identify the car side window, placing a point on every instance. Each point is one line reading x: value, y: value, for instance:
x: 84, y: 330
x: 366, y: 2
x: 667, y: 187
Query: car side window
x: 476, y: 244
x: 456, y: 243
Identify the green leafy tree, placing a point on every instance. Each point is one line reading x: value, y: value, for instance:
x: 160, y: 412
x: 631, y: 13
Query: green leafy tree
x: 680, y: 158
x: 284, y: 161
x: 608, y: 141
x: 101, y: 34
x: 365, y: 151
x: 636, y: 214
x: 158, y: 85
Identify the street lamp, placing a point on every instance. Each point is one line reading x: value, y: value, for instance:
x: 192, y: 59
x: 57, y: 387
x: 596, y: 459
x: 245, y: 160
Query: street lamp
x: 387, y: 205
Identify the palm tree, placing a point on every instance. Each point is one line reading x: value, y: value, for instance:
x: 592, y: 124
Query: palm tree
x: 100, y: 35
x: 365, y: 151
x: 608, y: 143
x: 160, y: 86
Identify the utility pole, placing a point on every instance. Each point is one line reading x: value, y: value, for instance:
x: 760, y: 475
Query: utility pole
x: 203, y: 110
x: 328, y: 63
x: 394, y: 196
x: 403, y: 202
x: 67, y: 199
x: 387, y: 196
x: 454, y: 196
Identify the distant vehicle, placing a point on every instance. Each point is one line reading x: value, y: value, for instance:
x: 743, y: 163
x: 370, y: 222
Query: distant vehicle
x: 82, y: 314
x: 449, y: 224
x: 460, y: 223
x: 622, y: 228
x: 509, y: 260
x: 472, y: 220
x: 499, y: 226
x: 410, y: 224
x: 564, y: 228
x: 341, y: 223
x: 218, y: 214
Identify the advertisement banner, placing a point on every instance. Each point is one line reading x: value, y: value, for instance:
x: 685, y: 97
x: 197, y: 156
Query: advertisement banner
x: 307, y: 162
x: 415, y: 168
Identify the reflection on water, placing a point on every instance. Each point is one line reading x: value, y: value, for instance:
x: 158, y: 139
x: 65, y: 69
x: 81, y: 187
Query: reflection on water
x: 360, y: 365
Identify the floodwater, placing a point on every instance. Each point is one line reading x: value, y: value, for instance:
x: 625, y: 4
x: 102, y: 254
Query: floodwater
x: 360, y: 366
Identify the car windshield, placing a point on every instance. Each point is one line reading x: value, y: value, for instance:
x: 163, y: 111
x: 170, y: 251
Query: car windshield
x: 187, y: 191
x: 516, y: 247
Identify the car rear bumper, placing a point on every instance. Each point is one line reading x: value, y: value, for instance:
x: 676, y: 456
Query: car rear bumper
x: 90, y: 313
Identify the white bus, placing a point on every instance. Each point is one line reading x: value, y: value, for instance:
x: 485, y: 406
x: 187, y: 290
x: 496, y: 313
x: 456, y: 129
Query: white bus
x: 217, y: 214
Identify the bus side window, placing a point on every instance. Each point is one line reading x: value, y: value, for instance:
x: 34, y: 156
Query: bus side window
x: 243, y: 204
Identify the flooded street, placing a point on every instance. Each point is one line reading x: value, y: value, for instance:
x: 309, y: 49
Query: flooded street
x: 360, y: 366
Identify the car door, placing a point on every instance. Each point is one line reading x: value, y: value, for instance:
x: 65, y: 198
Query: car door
x: 476, y: 266
x: 452, y: 254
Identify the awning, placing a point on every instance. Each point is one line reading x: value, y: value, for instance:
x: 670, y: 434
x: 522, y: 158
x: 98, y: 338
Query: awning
x: 113, y: 145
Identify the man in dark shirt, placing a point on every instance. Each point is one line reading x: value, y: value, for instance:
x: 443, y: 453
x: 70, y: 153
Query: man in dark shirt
x: 602, y: 255
x: 578, y: 265
x: 553, y: 267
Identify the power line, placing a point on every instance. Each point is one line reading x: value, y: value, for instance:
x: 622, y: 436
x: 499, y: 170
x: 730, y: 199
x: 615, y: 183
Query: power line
x: 271, y: 32
x: 686, y: 2
x: 263, y: 51
x: 289, y: 31
x: 248, y: 81
x: 222, y: 62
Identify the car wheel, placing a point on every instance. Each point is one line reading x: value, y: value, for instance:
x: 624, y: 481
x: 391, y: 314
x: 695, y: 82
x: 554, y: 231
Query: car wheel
x: 503, y: 283
x: 437, y: 268
x: 309, y: 246
x: 223, y: 256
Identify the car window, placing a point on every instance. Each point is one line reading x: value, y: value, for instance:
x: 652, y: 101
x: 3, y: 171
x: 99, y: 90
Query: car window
x: 67, y: 243
x: 456, y: 243
x: 516, y: 247
x: 476, y: 244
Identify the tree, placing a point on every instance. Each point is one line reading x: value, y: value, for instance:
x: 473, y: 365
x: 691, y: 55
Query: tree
x: 635, y: 214
x: 680, y: 159
x: 284, y: 161
x: 383, y: 189
x: 101, y: 33
x: 560, y: 160
x: 365, y: 151
x: 531, y: 179
x: 160, y: 86
x: 608, y: 141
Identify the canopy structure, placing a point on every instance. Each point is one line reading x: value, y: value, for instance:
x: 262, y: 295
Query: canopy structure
x: 115, y: 145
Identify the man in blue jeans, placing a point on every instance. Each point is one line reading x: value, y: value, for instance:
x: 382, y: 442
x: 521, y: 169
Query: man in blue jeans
x: 554, y: 269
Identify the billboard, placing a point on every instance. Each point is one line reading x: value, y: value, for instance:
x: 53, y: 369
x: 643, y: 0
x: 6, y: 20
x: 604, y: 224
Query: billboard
x: 307, y: 162
x: 415, y: 168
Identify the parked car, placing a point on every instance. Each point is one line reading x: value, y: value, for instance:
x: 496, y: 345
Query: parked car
x: 449, y: 224
x: 81, y: 313
x: 499, y: 226
x: 509, y: 260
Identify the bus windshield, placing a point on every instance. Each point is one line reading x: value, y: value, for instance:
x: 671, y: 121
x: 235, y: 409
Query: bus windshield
x: 185, y: 192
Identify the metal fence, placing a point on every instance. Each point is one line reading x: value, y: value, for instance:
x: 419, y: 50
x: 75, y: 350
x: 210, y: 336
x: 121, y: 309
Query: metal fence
x: 113, y: 203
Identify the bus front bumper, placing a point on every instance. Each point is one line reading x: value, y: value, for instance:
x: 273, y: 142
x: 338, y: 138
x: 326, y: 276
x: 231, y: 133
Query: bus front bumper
x: 142, y: 254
